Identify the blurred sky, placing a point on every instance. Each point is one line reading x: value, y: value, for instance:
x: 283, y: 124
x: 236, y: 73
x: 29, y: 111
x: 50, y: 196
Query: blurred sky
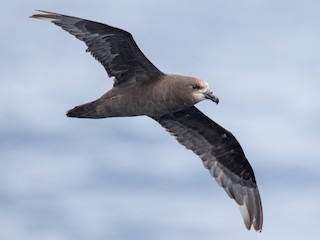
x: 63, y: 178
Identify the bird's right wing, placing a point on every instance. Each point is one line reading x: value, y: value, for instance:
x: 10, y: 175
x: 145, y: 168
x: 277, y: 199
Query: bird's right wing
x: 222, y: 155
x: 114, y: 48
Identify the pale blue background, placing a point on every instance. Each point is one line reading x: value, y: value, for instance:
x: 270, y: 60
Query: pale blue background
x: 63, y: 178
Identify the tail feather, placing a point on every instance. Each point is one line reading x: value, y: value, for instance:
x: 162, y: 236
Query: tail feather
x: 88, y: 110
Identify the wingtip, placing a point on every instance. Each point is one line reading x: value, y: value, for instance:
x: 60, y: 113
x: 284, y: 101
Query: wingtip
x: 248, y: 222
x: 43, y: 15
x: 33, y: 15
x: 245, y: 215
x: 69, y: 113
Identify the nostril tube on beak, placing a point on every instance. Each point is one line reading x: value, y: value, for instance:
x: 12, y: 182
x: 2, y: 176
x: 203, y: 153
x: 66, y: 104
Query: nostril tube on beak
x: 209, y: 95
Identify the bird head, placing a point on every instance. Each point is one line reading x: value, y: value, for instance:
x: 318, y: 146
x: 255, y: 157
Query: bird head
x: 200, y: 91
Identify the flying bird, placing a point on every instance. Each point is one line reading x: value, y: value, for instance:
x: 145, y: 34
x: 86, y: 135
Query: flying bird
x: 140, y: 88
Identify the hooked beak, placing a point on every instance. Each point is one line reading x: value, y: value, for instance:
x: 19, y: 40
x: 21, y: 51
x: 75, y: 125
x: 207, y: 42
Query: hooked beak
x: 209, y: 95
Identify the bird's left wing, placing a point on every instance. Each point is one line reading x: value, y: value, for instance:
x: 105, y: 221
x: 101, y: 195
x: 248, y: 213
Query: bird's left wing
x: 222, y: 155
x: 114, y: 48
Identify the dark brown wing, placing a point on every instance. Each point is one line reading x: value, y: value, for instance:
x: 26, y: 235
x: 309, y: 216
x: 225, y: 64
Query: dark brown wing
x: 114, y: 48
x: 222, y: 155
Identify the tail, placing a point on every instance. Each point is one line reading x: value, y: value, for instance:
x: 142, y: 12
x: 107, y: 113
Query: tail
x: 88, y: 110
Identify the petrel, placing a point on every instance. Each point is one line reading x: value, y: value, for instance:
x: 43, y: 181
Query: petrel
x: 140, y: 88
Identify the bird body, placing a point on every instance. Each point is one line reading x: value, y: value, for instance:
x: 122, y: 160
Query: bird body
x: 140, y: 88
x: 163, y: 97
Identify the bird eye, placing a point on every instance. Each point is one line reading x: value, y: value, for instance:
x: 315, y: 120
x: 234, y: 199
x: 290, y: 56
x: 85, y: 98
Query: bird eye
x: 195, y: 86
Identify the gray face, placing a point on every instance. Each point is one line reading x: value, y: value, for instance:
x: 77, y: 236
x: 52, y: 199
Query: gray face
x: 199, y: 91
